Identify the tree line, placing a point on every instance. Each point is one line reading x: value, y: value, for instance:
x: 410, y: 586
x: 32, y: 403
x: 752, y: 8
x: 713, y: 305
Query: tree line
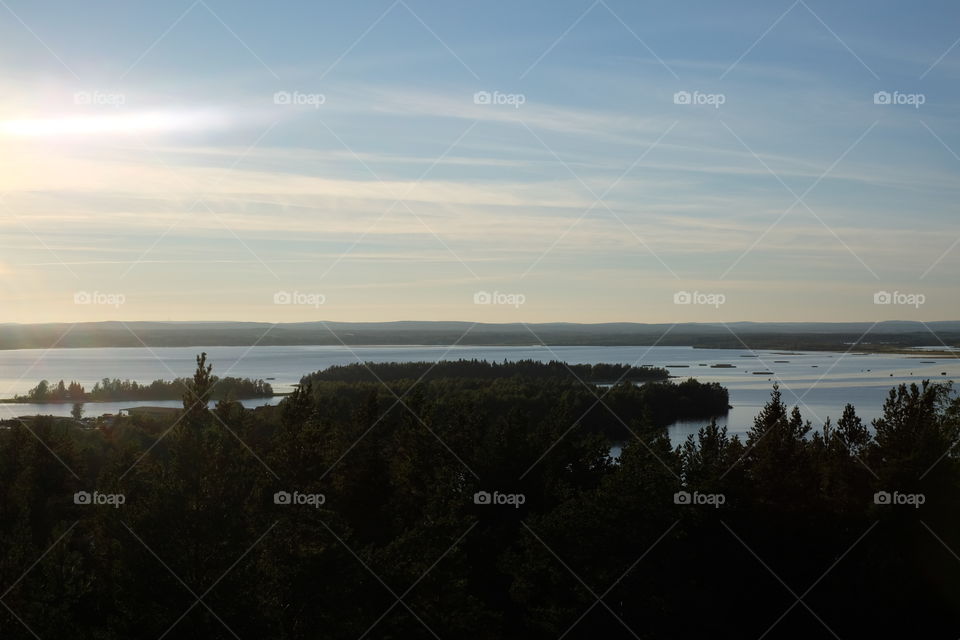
x: 486, y: 370
x: 109, y: 390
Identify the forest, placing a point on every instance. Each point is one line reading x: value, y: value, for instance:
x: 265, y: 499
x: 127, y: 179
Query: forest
x: 484, y: 370
x: 454, y: 506
x: 112, y: 390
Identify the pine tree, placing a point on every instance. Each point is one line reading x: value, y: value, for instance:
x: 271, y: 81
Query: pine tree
x: 197, y: 394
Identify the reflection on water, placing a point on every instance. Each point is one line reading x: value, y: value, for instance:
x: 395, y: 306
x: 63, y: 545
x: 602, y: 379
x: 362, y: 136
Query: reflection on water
x: 93, y: 409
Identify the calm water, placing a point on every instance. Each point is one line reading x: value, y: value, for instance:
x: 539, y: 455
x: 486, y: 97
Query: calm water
x: 820, y: 383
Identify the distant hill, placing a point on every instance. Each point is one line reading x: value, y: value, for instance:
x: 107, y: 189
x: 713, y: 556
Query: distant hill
x: 761, y: 335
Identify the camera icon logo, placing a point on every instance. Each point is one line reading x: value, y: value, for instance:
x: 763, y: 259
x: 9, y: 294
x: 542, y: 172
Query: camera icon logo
x: 882, y: 497
x: 682, y: 97
x: 482, y: 297
x: 682, y: 297
x: 882, y: 97
x: 82, y: 497
x: 882, y: 297
x: 482, y: 497
x: 282, y: 97
x: 282, y: 497
x: 482, y: 97
x: 682, y: 497
x: 282, y: 297
x: 82, y: 97
x: 82, y: 297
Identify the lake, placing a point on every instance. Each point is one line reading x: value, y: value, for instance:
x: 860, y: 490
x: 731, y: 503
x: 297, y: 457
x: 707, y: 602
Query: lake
x: 821, y: 383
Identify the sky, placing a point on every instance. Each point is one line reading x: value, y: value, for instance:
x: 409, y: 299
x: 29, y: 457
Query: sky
x: 579, y: 161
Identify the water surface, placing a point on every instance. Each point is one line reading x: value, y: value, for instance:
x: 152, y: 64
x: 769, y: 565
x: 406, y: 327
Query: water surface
x: 821, y: 383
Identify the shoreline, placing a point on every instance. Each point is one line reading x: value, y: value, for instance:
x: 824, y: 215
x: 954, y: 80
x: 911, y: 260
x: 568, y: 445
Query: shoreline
x: 85, y: 402
x: 793, y: 349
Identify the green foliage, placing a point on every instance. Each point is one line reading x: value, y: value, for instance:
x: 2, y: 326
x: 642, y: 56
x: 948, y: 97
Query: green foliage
x: 485, y: 370
x: 117, y: 390
x: 399, y: 466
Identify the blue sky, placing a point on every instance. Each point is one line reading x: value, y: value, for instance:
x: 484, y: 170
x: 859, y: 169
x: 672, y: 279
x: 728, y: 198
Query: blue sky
x: 149, y: 163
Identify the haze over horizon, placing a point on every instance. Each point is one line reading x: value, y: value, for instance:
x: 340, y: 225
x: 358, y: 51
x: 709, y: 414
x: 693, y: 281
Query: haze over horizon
x: 597, y: 162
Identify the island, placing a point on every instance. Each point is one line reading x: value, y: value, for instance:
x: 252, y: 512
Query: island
x: 116, y: 390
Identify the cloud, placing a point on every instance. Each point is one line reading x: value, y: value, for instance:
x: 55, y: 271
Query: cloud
x: 118, y: 123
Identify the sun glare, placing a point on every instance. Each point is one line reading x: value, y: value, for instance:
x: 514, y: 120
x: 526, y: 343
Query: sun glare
x: 111, y: 124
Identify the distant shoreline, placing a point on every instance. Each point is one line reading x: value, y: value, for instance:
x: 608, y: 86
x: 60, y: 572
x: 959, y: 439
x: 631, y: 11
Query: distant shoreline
x: 868, y: 337
x: 918, y: 351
